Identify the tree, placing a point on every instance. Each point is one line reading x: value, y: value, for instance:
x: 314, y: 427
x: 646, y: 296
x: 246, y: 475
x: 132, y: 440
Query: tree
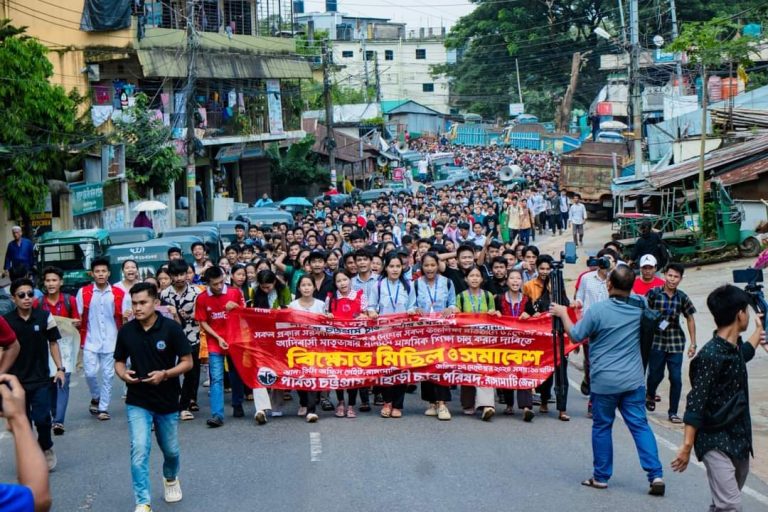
x: 151, y: 160
x: 297, y: 165
x: 39, y: 125
x: 708, y: 45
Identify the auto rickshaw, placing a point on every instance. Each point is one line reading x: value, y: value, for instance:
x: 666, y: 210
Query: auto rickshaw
x: 72, y: 251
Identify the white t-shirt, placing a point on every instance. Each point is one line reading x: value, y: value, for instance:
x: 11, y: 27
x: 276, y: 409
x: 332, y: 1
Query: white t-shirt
x: 577, y: 214
x: 317, y: 307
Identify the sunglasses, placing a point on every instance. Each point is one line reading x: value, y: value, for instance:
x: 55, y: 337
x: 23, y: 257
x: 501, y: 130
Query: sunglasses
x: 28, y: 295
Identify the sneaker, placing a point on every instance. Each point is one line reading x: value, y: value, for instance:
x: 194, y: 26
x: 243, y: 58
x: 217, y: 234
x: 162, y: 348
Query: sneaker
x: 142, y: 508
x: 528, y: 415
x: 302, y: 412
x: 172, y: 491
x: 431, y: 410
x: 58, y: 429
x: 237, y: 411
x: 488, y: 413
x: 351, y: 412
x: 186, y: 416
x: 470, y: 411
x: 443, y: 414
x: 104, y: 416
x: 260, y: 417
x: 326, y: 404
x: 94, y: 407
x: 365, y: 407
x: 50, y: 458
x: 207, y: 383
x: 215, y: 422
x: 340, y: 411
x: 194, y: 407
x: 657, y: 487
x: 276, y: 414
x: 312, y: 417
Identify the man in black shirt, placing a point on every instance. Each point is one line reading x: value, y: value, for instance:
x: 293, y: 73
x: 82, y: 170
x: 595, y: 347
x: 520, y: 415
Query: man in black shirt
x: 717, y: 420
x: 497, y: 282
x: 38, y: 335
x: 649, y: 242
x: 159, y: 353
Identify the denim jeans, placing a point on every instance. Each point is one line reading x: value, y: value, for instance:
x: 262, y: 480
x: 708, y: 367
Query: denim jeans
x: 39, y: 413
x: 631, y: 404
x: 140, y: 422
x: 216, y: 367
x: 60, y: 399
x: 674, y: 363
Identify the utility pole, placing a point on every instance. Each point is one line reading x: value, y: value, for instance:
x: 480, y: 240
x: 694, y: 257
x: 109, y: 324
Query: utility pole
x: 378, y: 79
x: 330, y: 142
x: 365, y: 65
x: 637, y: 111
x: 191, y: 107
x: 678, y: 64
x: 519, y: 89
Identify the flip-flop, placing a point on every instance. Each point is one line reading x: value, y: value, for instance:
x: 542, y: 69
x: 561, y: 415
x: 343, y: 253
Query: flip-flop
x: 650, y: 405
x: 563, y: 417
x: 591, y: 482
x: 675, y: 419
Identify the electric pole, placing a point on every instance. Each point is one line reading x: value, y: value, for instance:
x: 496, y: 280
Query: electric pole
x: 365, y: 65
x: 678, y: 64
x: 378, y: 80
x: 191, y: 108
x: 637, y: 110
x: 330, y: 142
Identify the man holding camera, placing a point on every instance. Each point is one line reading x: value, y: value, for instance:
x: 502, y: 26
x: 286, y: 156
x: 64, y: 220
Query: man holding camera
x: 718, y: 425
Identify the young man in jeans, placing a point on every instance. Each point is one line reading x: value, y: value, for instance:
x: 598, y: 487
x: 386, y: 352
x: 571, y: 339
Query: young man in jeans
x: 159, y: 353
x: 718, y: 375
x: 613, y: 329
x: 669, y: 342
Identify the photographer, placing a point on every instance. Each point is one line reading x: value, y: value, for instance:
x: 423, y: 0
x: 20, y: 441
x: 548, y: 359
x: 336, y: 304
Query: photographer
x: 32, y: 468
x: 717, y: 420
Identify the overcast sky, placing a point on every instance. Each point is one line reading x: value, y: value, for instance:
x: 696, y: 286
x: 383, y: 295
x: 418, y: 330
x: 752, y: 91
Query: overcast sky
x: 416, y: 13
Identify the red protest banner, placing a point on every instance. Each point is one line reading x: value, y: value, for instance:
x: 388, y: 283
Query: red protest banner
x: 289, y: 349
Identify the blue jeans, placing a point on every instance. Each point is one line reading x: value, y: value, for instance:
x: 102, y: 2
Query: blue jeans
x: 216, y: 367
x: 60, y: 399
x: 674, y: 363
x: 140, y: 422
x: 631, y: 404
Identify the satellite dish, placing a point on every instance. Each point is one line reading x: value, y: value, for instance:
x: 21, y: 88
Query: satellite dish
x: 382, y: 160
x: 658, y: 41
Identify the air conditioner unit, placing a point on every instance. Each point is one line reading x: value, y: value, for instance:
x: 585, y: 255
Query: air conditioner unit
x: 94, y: 72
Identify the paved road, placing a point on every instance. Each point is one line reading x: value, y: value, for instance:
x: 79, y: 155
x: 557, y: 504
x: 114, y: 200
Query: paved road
x: 368, y: 464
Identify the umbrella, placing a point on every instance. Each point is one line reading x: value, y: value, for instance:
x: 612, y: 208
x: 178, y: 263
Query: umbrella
x: 295, y: 201
x: 149, y: 206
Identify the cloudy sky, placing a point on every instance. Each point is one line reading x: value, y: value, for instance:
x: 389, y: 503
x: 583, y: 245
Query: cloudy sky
x: 418, y: 13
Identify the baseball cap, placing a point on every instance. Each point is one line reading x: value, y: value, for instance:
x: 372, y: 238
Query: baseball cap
x: 648, y: 260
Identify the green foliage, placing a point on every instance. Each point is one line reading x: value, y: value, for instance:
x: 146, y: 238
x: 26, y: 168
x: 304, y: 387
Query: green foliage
x: 709, y: 221
x: 711, y: 43
x: 297, y: 165
x: 151, y: 160
x: 312, y: 93
x: 39, y: 121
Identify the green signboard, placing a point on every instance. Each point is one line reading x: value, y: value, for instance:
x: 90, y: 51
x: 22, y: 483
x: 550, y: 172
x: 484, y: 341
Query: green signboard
x: 87, y: 198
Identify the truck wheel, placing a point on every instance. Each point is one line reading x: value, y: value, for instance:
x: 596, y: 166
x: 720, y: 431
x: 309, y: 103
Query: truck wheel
x: 750, y: 247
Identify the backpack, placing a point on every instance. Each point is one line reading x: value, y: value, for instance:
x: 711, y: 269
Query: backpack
x: 649, y: 325
x: 486, y: 297
x: 67, y: 303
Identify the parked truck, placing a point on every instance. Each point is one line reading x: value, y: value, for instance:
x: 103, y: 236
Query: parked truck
x: 589, y: 171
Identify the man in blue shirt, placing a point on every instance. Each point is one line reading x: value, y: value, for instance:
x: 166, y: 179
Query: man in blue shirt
x: 20, y: 251
x: 617, y: 378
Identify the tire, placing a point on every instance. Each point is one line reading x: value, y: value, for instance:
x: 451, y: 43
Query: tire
x: 750, y: 247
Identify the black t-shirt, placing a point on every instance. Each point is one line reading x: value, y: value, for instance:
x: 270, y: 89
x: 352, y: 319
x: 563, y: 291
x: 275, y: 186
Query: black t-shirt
x: 326, y: 287
x: 457, y: 277
x: 156, y: 349
x: 34, y: 335
x: 495, y: 287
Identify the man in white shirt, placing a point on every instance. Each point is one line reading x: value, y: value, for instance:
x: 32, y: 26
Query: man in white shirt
x: 578, y: 216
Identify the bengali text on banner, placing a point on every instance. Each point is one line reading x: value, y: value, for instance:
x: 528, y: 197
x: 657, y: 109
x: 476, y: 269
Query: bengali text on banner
x: 289, y: 349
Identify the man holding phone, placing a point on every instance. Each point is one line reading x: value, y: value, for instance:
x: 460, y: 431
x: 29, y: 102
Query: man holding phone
x: 38, y: 336
x: 159, y: 353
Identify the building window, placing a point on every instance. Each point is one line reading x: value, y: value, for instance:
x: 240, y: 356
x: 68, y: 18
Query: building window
x: 347, y: 54
x: 389, y: 55
x: 421, y: 54
x: 427, y: 87
x: 369, y: 55
x: 237, y: 16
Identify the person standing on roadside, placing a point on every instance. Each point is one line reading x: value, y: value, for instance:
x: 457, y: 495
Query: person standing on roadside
x: 159, y: 353
x: 613, y: 329
x: 718, y: 425
x: 564, y: 209
x: 647, y: 280
x: 38, y: 336
x: 20, y: 251
x: 577, y: 213
x: 669, y: 341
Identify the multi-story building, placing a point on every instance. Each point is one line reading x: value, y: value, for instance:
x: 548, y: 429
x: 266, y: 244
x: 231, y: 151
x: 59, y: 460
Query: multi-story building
x: 247, y: 85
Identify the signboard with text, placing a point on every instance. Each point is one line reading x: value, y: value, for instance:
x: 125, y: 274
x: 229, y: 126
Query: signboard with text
x: 87, y: 198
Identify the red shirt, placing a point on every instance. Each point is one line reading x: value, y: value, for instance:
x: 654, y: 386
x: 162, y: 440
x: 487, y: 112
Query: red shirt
x: 212, y: 309
x: 642, y: 288
x: 58, y: 309
x: 7, y: 335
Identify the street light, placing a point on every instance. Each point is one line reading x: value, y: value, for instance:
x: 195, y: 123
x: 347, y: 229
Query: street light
x: 601, y: 32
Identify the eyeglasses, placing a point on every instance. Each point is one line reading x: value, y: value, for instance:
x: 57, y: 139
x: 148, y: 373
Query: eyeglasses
x: 28, y: 295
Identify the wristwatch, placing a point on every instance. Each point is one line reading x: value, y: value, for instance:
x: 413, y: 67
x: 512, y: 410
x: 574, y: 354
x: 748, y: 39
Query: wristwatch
x: 61, y: 369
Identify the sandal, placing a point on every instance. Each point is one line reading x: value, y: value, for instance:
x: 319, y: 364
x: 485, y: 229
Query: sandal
x: 543, y: 409
x: 340, y: 412
x: 194, y: 407
x: 591, y: 482
x: 650, y: 404
x: 563, y: 417
x: 675, y: 419
x: 351, y: 412
x: 386, y: 411
x: 396, y: 413
x: 509, y: 411
x: 365, y: 407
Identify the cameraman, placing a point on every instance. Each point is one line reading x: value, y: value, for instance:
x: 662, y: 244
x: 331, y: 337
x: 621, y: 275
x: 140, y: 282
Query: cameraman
x: 718, y: 425
x: 33, y: 493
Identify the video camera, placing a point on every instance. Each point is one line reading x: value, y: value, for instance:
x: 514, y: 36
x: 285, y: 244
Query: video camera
x: 753, y: 276
x: 602, y: 263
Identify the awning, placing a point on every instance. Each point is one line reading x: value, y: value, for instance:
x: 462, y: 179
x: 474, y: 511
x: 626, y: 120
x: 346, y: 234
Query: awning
x: 231, y: 154
x: 171, y: 63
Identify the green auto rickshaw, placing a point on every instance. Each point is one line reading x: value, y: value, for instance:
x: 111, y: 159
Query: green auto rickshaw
x: 72, y: 251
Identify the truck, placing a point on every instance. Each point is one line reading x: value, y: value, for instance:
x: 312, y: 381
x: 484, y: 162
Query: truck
x: 589, y: 171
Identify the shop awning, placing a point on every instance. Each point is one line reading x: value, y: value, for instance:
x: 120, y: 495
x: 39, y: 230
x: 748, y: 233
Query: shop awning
x: 230, y: 154
x: 171, y: 63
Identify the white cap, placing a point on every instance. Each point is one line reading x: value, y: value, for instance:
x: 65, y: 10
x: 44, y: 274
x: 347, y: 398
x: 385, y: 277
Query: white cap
x: 648, y: 260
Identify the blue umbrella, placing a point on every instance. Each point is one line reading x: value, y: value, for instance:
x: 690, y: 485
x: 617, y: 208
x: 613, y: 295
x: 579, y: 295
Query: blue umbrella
x: 295, y: 201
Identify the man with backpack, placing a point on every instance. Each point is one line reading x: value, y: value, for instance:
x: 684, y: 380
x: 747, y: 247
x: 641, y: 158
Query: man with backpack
x: 61, y: 305
x: 100, y: 307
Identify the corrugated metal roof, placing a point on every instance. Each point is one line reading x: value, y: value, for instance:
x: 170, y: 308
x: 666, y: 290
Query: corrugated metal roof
x: 347, y: 147
x: 749, y: 172
x: 712, y: 161
x: 169, y: 63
